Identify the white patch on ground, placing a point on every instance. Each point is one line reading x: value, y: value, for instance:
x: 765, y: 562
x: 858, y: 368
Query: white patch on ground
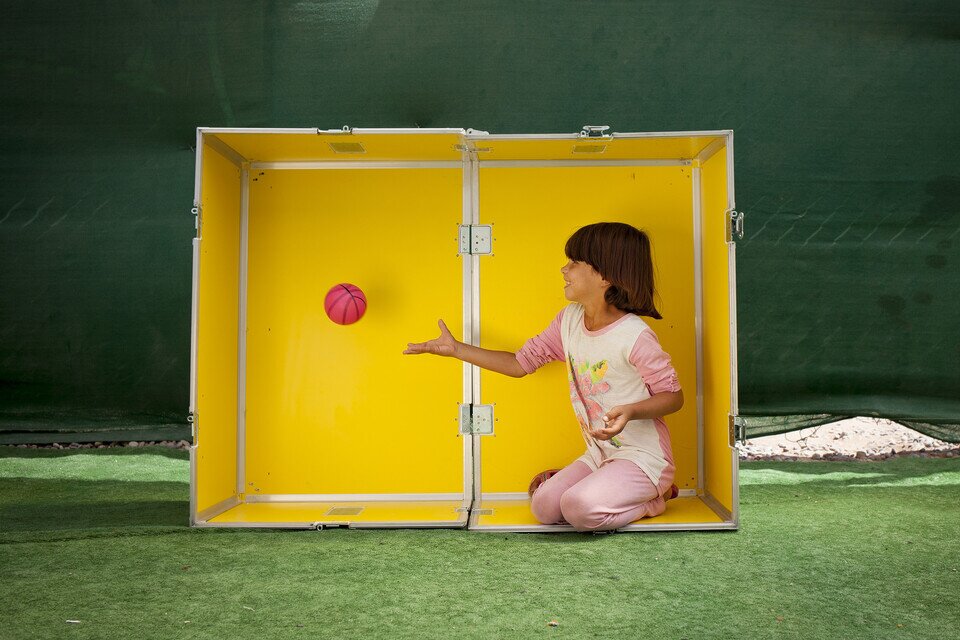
x: 853, y: 439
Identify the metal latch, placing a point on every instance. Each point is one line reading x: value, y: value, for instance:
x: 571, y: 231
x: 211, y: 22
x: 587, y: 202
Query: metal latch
x: 476, y: 239
x: 594, y: 131
x: 196, y: 218
x: 476, y: 419
x: 192, y: 420
x: 345, y: 129
x: 738, y: 430
x: 734, y: 225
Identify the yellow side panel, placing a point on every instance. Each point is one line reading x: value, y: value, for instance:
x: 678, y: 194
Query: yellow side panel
x: 534, y: 211
x: 507, y: 513
x: 372, y: 512
x: 275, y: 147
x: 651, y: 148
x: 718, y: 456
x: 339, y: 409
x: 217, y: 313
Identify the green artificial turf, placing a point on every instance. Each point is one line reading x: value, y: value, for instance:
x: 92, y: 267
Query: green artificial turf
x: 825, y: 550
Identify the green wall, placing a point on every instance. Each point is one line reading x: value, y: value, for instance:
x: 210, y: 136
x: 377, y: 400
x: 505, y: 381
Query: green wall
x: 847, y: 145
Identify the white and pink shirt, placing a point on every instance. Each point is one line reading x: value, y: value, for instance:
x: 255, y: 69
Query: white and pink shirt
x: 622, y: 363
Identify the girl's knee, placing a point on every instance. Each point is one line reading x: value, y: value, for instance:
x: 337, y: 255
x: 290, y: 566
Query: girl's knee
x: 545, y: 507
x: 580, y: 512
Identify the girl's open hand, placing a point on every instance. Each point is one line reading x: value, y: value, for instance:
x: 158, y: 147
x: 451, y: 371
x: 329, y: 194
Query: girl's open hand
x: 615, y: 419
x: 445, y: 345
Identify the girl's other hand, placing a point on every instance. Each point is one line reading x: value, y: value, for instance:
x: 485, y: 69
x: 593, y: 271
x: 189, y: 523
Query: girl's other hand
x: 616, y: 419
x: 445, y: 345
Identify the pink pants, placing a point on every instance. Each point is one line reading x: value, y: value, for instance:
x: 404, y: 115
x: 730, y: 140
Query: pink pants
x: 615, y: 495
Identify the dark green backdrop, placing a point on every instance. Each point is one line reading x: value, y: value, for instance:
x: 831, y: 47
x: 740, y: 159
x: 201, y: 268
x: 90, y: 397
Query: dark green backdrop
x: 847, y: 156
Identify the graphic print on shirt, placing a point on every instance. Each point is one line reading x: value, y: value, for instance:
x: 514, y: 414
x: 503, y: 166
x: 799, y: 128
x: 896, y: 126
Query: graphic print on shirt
x: 586, y: 384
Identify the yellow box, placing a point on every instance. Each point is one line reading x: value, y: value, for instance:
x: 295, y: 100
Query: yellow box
x: 302, y: 422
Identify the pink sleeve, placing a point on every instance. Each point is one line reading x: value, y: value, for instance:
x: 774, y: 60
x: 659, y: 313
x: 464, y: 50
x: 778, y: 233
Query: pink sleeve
x: 653, y: 364
x: 541, y: 349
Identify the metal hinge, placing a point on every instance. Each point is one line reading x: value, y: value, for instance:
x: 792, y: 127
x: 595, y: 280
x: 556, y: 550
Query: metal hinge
x: 594, y: 131
x: 738, y: 430
x: 476, y: 239
x: 344, y: 129
x: 192, y: 420
x: 476, y: 419
x: 196, y: 219
x: 734, y: 225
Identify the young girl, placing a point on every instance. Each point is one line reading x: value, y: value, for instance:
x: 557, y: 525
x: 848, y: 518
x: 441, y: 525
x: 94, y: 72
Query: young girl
x: 621, y: 383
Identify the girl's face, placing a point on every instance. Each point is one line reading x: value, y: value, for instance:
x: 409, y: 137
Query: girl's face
x: 583, y: 282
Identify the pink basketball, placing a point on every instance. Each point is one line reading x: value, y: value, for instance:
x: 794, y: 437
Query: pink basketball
x: 345, y: 303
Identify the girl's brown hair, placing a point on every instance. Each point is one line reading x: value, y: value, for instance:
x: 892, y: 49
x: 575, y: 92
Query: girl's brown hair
x: 621, y: 255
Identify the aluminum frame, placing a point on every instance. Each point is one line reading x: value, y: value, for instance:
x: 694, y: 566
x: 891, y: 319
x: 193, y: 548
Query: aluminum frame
x: 193, y: 377
x: 708, y: 151
x: 698, y: 314
x: 734, y: 381
x: 203, y: 519
x: 577, y: 136
x: 355, y: 497
x: 245, y: 166
x: 679, y: 162
x: 357, y: 164
x: 242, y: 330
x: 215, y: 510
x: 473, y: 370
x: 470, y: 164
x: 727, y: 524
x: 705, y: 152
x: 193, y: 485
x: 225, y: 150
x: 470, y: 441
x: 195, y: 299
x: 546, y: 528
x: 320, y: 526
x: 231, y: 155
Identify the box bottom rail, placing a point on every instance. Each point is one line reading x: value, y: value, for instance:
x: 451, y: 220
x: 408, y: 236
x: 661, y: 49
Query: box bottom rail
x: 684, y: 513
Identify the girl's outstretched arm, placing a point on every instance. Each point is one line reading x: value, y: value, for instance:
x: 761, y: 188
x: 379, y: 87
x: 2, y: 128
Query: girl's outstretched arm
x: 503, y: 362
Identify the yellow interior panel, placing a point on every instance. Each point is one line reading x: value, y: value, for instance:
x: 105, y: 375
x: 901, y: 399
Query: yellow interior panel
x: 653, y: 148
x: 339, y: 409
x: 217, y: 317
x: 534, y: 211
x: 718, y: 459
x: 372, y: 512
x: 279, y: 147
x: 516, y: 513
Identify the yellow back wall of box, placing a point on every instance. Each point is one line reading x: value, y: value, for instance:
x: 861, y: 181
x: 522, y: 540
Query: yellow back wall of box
x: 339, y: 409
x: 534, y: 211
